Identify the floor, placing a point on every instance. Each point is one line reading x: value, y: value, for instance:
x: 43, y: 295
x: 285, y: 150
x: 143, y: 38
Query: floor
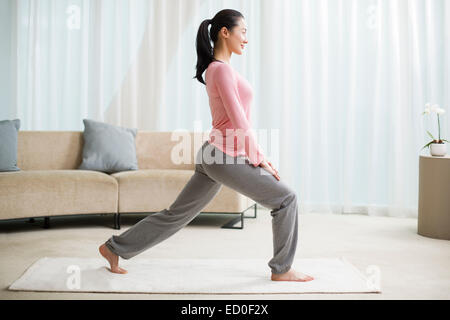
x: 412, y: 266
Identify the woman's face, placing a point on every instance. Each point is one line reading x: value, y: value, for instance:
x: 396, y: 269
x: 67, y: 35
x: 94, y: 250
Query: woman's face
x: 237, y: 38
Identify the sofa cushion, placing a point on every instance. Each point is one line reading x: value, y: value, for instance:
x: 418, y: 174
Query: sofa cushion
x: 169, y: 145
x: 49, y: 150
x: 39, y: 193
x: 108, y: 148
x: 63, y: 150
x: 8, y: 145
x: 152, y: 190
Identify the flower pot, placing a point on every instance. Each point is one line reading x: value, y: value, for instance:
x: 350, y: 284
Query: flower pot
x: 438, y: 149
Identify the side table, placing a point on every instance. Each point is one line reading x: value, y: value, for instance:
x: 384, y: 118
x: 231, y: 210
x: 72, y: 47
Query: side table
x: 434, y: 197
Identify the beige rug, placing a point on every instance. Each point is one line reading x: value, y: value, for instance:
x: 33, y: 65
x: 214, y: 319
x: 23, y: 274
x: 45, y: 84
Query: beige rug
x: 202, y: 276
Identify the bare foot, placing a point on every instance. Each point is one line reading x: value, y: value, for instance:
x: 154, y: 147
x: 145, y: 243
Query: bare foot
x: 291, y: 275
x: 112, y: 258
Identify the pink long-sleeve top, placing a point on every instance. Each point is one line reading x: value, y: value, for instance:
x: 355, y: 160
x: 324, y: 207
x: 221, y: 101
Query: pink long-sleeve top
x: 230, y: 98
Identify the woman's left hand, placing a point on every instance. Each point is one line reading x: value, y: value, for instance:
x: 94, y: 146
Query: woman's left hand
x: 270, y: 163
x: 273, y: 168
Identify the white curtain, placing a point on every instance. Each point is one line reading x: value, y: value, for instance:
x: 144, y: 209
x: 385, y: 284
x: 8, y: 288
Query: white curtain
x: 339, y: 84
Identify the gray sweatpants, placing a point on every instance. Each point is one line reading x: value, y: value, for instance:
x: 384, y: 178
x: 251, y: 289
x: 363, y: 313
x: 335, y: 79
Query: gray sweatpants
x: 236, y: 173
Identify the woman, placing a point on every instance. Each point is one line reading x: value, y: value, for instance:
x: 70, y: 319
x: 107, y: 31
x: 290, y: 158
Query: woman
x: 241, y: 165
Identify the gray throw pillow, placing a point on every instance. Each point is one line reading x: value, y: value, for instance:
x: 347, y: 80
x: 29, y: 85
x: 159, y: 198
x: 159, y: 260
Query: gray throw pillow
x: 8, y: 144
x: 108, y: 148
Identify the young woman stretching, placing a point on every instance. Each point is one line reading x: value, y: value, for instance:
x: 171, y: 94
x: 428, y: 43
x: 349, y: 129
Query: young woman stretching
x: 241, y: 164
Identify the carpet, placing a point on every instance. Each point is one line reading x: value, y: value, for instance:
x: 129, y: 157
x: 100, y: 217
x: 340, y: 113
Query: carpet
x: 190, y: 276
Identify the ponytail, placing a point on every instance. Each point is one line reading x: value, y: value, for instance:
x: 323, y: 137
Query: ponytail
x: 204, y: 49
x: 225, y: 18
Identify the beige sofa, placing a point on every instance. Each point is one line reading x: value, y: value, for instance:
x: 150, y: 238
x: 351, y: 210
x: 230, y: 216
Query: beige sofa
x: 49, y: 183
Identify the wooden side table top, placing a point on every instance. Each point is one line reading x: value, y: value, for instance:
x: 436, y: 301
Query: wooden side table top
x: 435, y: 157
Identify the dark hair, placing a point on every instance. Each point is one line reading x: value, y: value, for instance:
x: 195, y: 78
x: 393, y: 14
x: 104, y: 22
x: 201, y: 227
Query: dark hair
x: 228, y: 18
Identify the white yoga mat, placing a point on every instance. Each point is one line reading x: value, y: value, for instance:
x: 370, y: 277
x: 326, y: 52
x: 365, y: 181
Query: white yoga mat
x: 202, y: 276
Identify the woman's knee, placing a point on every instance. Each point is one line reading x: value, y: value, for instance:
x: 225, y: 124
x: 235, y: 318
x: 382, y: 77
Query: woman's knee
x: 289, y: 198
x: 281, y: 200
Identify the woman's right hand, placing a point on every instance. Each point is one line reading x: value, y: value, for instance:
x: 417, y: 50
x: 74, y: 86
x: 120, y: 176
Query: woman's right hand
x: 268, y: 167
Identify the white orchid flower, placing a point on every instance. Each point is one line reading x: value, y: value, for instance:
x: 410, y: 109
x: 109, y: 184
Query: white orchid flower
x: 434, y: 107
x: 427, y: 108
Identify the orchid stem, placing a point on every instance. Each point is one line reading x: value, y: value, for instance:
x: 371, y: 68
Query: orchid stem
x: 439, y: 127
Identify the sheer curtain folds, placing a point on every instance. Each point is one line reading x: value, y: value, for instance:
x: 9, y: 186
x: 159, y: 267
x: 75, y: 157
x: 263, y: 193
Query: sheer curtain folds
x: 339, y: 84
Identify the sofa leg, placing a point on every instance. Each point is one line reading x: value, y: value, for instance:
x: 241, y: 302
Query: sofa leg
x: 117, y: 221
x: 254, y: 214
x: 230, y: 224
x: 46, y: 222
